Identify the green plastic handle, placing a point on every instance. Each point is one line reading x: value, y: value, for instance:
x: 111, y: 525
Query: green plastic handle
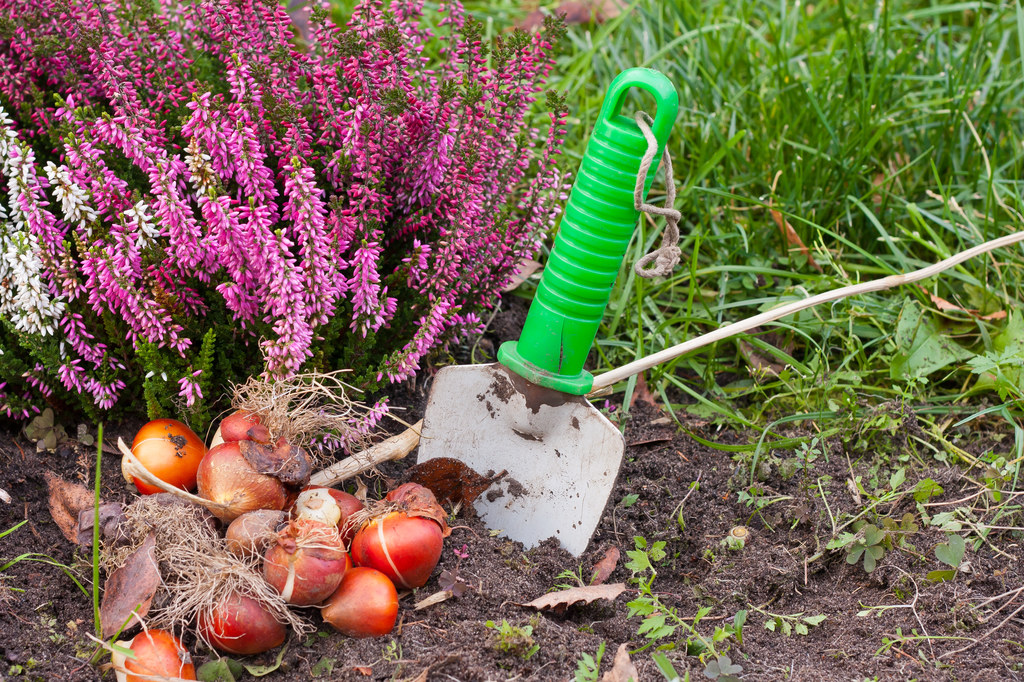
x: 595, y: 231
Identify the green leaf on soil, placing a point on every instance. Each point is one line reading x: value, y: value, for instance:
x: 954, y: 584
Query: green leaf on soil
x: 897, y: 478
x: 872, y: 535
x: 220, y: 670
x: 325, y: 666
x: 665, y: 666
x: 261, y: 670
x: 927, y: 488
x: 737, y: 625
x: 946, y: 521
x: 940, y: 576
x: 921, y: 347
x: 951, y: 552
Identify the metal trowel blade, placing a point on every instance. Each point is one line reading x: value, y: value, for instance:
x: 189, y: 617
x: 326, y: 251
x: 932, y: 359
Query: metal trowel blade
x: 561, y: 454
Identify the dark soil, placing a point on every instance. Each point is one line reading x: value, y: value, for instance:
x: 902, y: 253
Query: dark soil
x: 670, y: 489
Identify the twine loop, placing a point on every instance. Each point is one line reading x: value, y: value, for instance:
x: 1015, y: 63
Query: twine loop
x: 661, y: 261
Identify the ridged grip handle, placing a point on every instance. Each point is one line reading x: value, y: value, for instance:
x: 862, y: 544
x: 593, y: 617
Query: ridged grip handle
x: 595, y: 231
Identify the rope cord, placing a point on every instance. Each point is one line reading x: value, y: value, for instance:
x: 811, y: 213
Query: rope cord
x: 661, y: 261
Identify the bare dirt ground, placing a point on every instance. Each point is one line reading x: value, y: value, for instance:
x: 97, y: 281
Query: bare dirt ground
x: 671, y: 489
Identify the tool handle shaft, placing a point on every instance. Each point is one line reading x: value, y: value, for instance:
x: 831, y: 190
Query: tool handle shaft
x: 594, y: 234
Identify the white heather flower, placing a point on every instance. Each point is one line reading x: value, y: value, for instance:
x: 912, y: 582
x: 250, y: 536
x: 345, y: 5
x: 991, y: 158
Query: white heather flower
x: 24, y: 299
x: 142, y: 222
x: 72, y: 197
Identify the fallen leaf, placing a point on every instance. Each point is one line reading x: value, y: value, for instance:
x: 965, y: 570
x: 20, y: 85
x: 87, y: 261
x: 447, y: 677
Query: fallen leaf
x: 605, y: 567
x: 759, y: 362
x: 432, y: 600
x: 450, y: 480
x: 563, y: 599
x: 130, y: 588
x: 419, y: 500
x: 789, y: 235
x: 363, y: 670
x: 526, y: 268
x: 66, y: 501
x: 942, y: 305
x: 642, y: 394
x: 792, y: 239
x: 111, y: 517
x: 287, y: 463
x: 623, y: 669
x: 361, y: 490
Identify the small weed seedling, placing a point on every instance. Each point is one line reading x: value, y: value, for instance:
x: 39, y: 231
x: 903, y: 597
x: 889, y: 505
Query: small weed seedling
x: 722, y: 669
x: 660, y: 620
x: 866, y: 542
x: 569, y: 579
x: 392, y: 651
x: 724, y: 632
x: 514, y: 639
x: 950, y: 553
x: 588, y: 667
x: 791, y: 624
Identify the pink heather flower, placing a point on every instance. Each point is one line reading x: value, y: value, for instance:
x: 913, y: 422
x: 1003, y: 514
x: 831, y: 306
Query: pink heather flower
x: 190, y: 389
x: 299, y: 200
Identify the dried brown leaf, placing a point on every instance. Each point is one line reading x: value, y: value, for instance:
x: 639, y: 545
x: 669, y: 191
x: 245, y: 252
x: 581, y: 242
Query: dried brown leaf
x: 563, y: 599
x: 364, y: 670
x: 605, y: 567
x: 130, y: 588
x: 758, y: 361
x: 526, y: 268
x: 66, y: 501
x: 789, y: 235
x: 111, y: 518
x: 432, y: 600
x: 450, y: 480
x: 418, y: 500
x: 286, y: 463
x: 642, y: 394
x: 944, y: 306
x: 623, y: 669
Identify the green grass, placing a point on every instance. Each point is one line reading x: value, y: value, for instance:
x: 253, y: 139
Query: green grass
x: 882, y: 121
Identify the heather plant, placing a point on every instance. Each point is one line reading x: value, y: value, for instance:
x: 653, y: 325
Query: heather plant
x: 196, y: 194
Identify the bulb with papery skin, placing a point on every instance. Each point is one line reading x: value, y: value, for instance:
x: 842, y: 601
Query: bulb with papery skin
x: 317, y: 504
x: 158, y: 653
x: 243, y: 426
x: 225, y: 477
x: 405, y: 548
x: 241, y: 625
x: 252, y: 532
x: 307, y: 562
x: 170, y: 451
x: 364, y: 605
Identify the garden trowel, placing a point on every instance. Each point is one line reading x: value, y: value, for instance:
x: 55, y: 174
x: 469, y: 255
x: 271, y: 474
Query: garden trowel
x: 527, y: 414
